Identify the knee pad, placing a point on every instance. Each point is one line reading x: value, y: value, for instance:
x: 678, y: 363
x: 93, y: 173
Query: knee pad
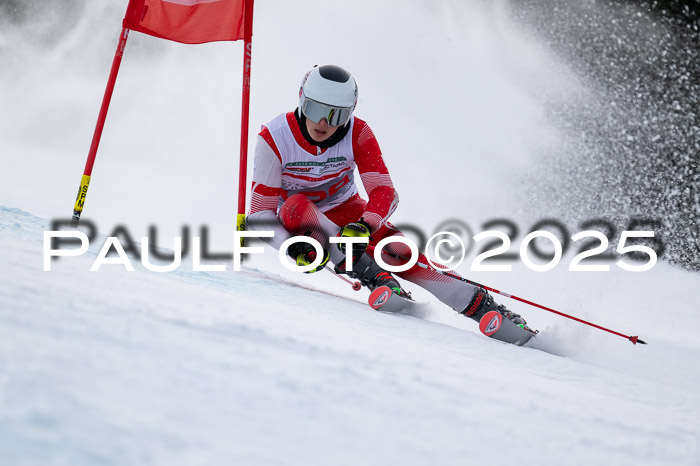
x: 299, y: 215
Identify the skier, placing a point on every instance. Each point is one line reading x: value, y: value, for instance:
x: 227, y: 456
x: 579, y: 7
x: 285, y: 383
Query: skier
x: 304, y: 184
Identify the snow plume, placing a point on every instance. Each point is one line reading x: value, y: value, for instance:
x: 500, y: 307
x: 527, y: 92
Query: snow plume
x: 590, y: 108
x: 631, y: 145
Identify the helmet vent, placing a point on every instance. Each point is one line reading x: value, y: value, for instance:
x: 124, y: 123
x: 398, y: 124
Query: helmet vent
x: 334, y: 73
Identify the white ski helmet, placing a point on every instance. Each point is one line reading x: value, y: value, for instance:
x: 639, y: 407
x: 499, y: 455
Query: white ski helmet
x: 330, y: 92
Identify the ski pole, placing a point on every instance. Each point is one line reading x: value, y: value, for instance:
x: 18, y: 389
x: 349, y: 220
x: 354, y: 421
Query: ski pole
x: 633, y: 339
x: 355, y: 285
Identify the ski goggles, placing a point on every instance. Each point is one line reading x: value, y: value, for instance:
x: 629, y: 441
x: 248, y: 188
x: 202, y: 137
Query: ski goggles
x: 316, y: 111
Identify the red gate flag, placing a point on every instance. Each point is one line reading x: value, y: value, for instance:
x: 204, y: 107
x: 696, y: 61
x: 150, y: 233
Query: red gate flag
x: 187, y: 21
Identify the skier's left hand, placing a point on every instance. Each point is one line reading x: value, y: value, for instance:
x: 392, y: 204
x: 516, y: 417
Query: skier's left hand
x: 357, y: 229
x: 305, y: 254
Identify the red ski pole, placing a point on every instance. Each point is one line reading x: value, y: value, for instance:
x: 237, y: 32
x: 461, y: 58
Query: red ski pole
x: 355, y: 285
x: 633, y: 339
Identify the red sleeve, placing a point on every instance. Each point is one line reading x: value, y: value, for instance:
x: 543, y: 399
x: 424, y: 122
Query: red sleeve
x: 375, y: 176
x: 266, y: 188
x: 265, y: 134
x: 263, y: 197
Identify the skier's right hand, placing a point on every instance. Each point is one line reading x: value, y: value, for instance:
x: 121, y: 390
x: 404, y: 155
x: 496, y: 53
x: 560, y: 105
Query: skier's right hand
x: 304, y: 254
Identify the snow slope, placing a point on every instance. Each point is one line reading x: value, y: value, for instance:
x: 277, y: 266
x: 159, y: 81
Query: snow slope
x: 112, y: 367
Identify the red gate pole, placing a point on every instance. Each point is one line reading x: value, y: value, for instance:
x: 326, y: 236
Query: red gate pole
x: 85, y: 181
x: 245, y: 104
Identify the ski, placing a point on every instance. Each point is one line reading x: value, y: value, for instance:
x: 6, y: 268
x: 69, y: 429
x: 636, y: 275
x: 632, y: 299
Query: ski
x: 386, y: 299
x: 493, y: 325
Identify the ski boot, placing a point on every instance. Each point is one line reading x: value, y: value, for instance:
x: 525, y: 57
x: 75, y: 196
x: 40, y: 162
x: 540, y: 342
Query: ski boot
x: 497, y: 322
x: 483, y: 302
x: 371, y: 275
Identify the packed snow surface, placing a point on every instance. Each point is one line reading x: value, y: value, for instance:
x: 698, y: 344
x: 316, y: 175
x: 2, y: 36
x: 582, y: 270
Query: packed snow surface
x: 116, y: 367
